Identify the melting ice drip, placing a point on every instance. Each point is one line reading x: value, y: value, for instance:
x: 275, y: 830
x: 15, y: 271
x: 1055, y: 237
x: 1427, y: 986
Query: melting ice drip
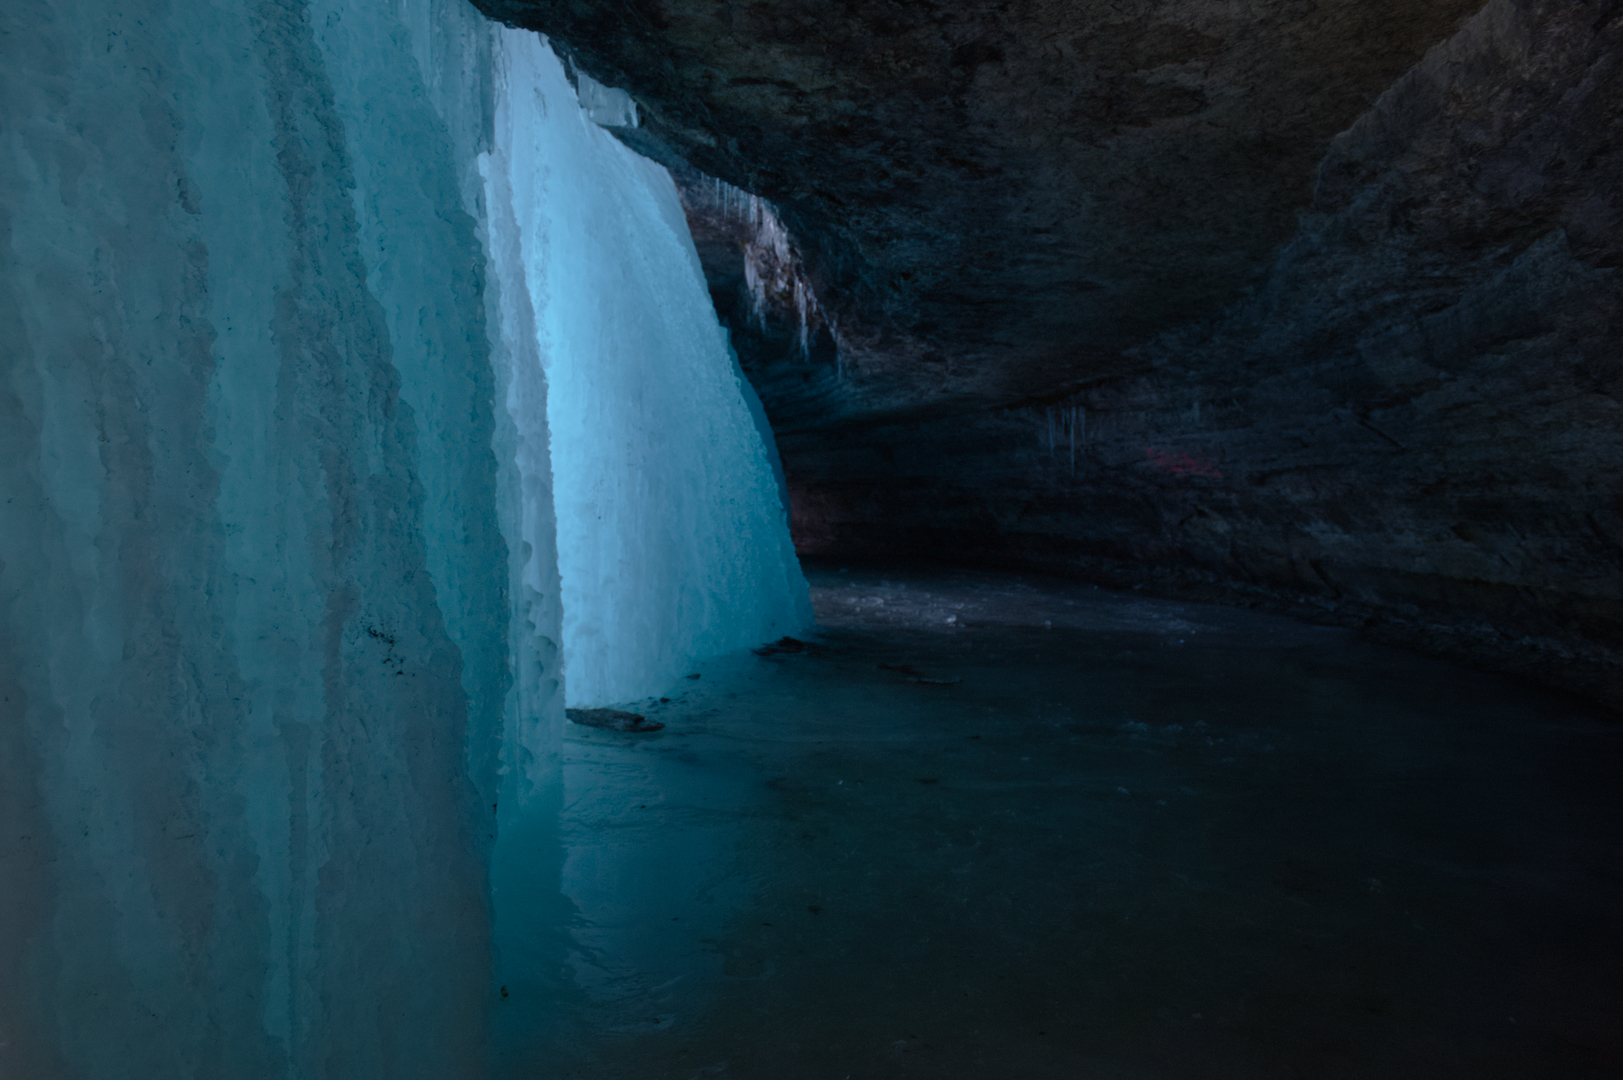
x: 770, y: 269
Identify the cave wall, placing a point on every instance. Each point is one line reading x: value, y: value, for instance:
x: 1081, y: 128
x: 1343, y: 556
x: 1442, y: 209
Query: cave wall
x: 1413, y: 425
x: 1325, y: 293
x: 995, y: 199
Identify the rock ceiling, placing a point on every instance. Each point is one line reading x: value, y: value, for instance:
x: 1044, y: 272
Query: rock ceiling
x: 999, y: 201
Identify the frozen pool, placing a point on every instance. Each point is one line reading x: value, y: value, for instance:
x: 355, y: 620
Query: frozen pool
x: 996, y: 827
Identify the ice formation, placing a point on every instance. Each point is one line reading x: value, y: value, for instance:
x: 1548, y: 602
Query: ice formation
x: 278, y: 557
x: 672, y: 539
x: 605, y: 105
x: 1066, y: 423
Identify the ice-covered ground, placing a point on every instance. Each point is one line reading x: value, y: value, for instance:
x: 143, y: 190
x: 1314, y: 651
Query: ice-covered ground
x: 989, y: 826
x: 281, y: 287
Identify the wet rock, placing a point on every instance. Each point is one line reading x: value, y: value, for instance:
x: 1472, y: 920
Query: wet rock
x: 781, y: 646
x: 914, y: 675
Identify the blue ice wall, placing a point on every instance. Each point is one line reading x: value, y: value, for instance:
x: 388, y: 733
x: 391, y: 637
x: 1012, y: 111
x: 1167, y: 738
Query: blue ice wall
x: 281, y: 284
x: 673, y: 540
x: 266, y: 521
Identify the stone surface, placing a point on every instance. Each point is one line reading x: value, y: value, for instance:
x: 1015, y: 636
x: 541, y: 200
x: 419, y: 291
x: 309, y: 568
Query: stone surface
x: 1369, y: 377
x: 1413, y: 426
x: 996, y: 198
x: 612, y: 720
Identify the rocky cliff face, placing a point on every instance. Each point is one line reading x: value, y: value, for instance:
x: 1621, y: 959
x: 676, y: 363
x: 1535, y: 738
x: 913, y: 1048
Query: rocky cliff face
x: 1103, y: 289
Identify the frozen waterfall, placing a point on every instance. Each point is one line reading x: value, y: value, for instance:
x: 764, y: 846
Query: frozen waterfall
x: 671, y: 530
x: 283, y: 286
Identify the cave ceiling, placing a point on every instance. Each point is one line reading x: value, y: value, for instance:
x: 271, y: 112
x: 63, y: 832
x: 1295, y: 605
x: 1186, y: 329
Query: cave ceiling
x: 995, y: 202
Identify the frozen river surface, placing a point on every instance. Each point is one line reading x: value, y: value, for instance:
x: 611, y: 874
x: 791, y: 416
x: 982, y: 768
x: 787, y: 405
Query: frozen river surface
x: 990, y: 826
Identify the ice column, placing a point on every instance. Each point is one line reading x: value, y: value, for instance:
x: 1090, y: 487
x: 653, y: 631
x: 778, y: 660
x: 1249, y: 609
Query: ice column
x: 673, y: 540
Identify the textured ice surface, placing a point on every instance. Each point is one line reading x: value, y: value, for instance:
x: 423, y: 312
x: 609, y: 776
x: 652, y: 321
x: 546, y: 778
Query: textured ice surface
x: 279, y: 600
x: 256, y: 641
x: 672, y: 539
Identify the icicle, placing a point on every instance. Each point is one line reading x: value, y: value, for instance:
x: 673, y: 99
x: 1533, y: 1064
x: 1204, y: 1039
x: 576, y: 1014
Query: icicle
x: 800, y: 307
x: 752, y: 280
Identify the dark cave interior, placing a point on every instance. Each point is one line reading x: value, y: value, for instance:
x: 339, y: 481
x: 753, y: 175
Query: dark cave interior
x: 1310, y: 309
x: 1328, y: 293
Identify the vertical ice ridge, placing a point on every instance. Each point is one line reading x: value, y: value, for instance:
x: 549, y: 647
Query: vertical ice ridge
x: 396, y: 817
x: 537, y: 704
x: 117, y: 596
x: 425, y: 268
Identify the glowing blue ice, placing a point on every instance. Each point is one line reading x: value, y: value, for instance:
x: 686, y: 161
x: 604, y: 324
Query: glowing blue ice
x: 672, y: 536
